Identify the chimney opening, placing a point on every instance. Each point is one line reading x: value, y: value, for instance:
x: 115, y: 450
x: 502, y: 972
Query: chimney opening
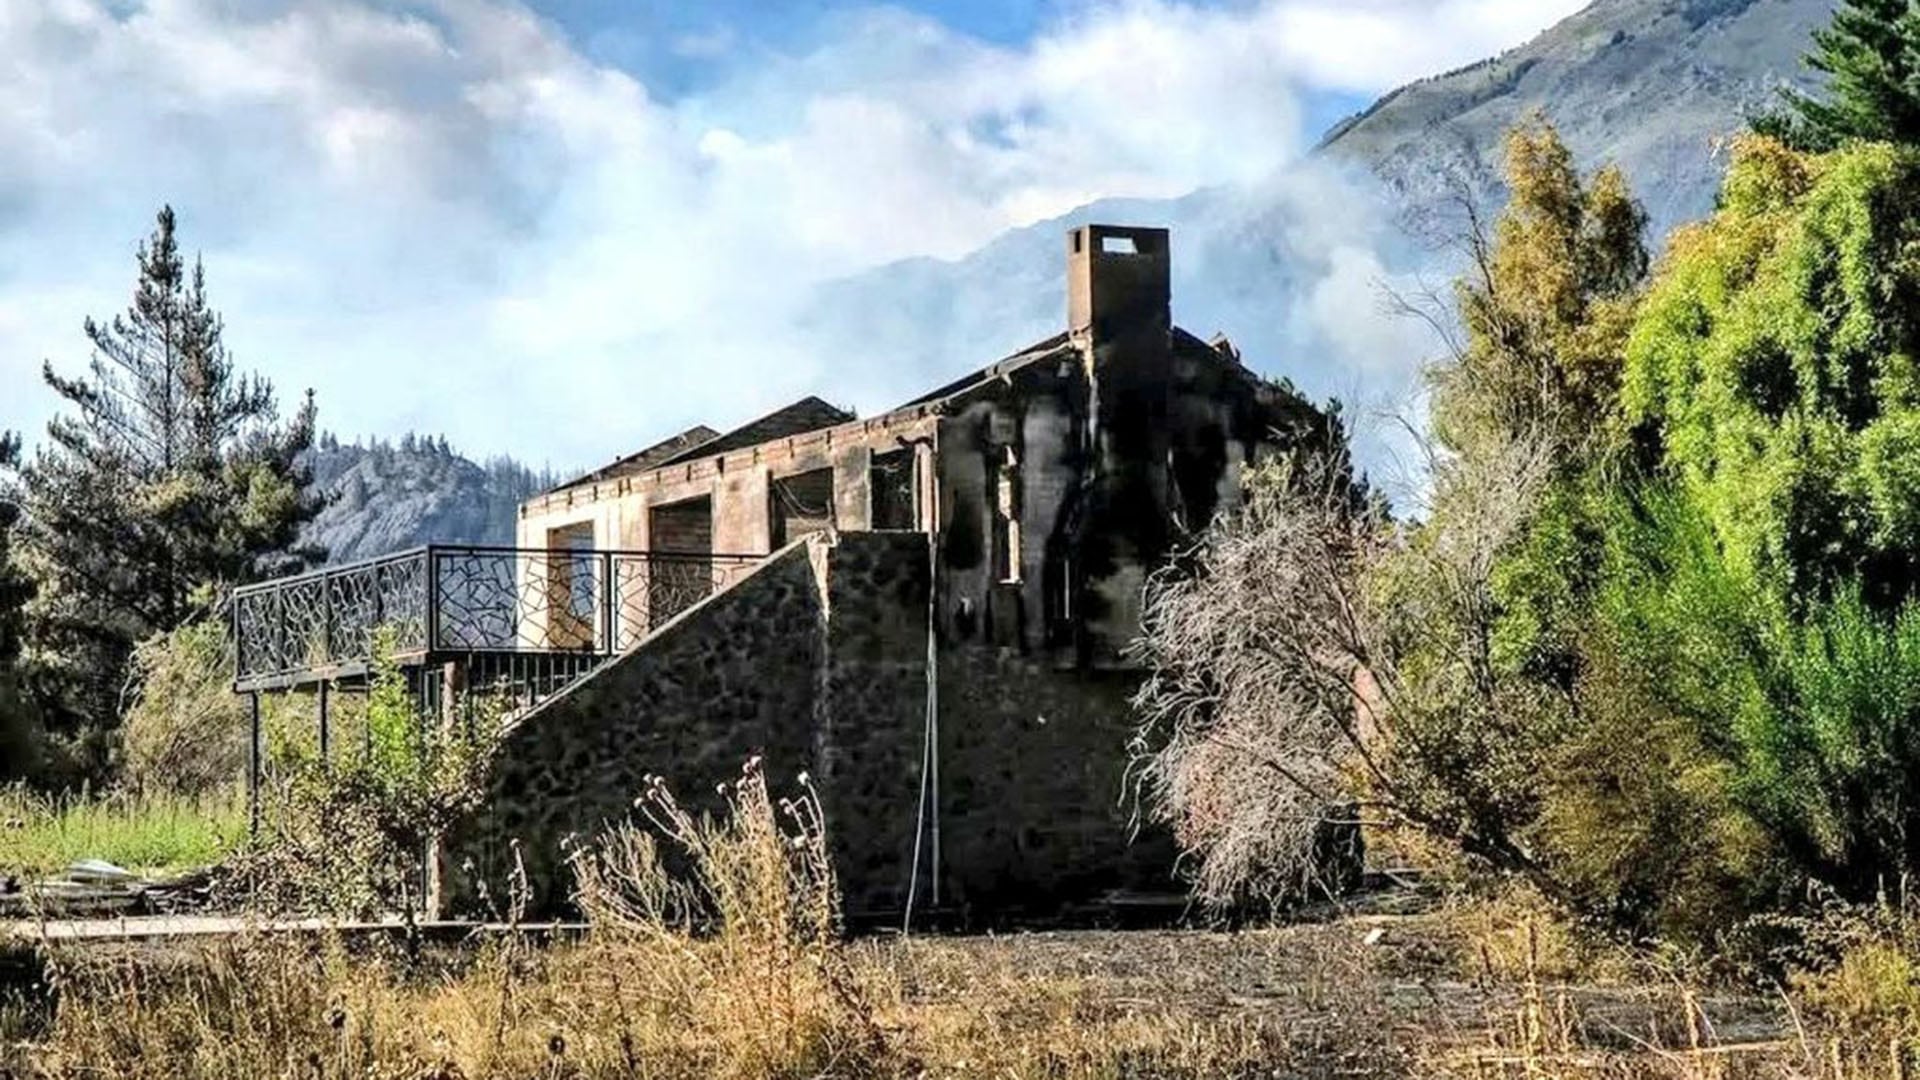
x: 1117, y: 245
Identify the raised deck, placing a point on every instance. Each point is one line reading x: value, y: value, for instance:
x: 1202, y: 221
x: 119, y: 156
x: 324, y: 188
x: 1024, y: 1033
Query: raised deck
x: 538, y: 613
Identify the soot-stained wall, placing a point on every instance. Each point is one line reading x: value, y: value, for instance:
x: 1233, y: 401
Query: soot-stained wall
x: 730, y: 679
x: 1034, y: 811
x: 816, y: 663
x: 871, y: 711
x: 1102, y: 493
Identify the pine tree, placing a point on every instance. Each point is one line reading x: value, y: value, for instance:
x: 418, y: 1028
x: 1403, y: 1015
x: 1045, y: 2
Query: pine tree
x: 14, y: 587
x: 172, y: 477
x: 17, y: 722
x: 1870, y: 53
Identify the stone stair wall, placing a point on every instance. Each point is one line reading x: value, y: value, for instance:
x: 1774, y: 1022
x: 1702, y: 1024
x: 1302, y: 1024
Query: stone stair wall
x: 815, y: 661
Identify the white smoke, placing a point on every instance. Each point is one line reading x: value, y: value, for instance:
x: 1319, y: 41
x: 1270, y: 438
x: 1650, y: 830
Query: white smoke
x: 446, y: 216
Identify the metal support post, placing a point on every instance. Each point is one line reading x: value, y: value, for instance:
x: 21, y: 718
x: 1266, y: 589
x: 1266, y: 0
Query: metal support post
x: 326, y: 723
x: 254, y: 755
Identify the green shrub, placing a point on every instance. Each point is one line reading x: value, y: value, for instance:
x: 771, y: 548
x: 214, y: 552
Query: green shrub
x: 1772, y: 373
x: 1775, y: 747
x: 352, y: 834
x: 1836, y: 758
x: 1746, y: 668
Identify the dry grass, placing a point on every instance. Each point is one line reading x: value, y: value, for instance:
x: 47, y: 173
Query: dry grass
x: 252, y: 1008
x: 733, y: 967
x: 716, y: 951
x: 1309, y: 1002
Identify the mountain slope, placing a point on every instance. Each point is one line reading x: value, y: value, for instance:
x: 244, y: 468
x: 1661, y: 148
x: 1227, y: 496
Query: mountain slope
x: 1650, y: 84
x: 385, y: 497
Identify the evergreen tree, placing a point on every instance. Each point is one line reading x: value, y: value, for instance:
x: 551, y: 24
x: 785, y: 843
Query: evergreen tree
x: 14, y: 587
x: 17, y: 726
x: 172, y: 477
x: 1871, y: 56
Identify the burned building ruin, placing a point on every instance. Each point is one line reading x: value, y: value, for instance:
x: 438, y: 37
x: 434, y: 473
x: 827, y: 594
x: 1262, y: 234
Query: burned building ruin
x: 928, y: 611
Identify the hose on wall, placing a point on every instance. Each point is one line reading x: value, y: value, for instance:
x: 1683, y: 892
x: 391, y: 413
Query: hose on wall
x: 929, y: 801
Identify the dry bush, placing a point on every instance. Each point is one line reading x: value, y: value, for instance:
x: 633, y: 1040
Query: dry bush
x: 1872, y: 994
x: 1510, y: 933
x: 1313, y: 666
x: 715, y: 949
x: 185, y: 729
x: 1252, y: 723
x: 742, y: 915
x: 1853, y: 971
x: 186, y: 732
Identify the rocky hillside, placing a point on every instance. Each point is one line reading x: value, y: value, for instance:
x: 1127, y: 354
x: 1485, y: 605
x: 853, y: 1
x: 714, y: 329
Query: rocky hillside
x: 388, y: 496
x: 1651, y: 84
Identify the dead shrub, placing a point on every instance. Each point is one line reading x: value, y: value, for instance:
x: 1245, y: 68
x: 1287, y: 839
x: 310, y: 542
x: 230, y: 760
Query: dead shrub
x: 185, y: 729
x: 742, y: 915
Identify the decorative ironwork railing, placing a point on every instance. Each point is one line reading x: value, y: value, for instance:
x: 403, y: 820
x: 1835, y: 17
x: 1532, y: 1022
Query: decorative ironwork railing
x: 451, y: 600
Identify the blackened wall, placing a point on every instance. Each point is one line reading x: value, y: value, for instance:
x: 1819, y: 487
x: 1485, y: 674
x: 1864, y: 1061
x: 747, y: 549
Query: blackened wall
x: 732, y: 678
x: 816, y: 663
x: 872, y: 710
x: 1121, y: 456
x: 1034, y: 812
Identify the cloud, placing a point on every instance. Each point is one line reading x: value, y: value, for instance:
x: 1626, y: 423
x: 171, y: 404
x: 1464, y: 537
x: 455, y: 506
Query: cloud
x: 1366, y: 45
x: 447, y: 216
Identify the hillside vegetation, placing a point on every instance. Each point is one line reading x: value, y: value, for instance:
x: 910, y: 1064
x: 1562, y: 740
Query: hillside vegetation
x: 386, y: 496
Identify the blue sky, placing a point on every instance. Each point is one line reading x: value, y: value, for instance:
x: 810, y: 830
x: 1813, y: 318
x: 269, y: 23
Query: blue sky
x: 554, y: 230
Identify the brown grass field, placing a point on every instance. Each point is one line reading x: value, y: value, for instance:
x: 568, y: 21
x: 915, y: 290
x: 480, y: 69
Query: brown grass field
x: 1415, y: 995
x: 743, y: 971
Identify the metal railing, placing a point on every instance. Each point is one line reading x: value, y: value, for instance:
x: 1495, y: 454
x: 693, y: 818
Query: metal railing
x: 461, y: 599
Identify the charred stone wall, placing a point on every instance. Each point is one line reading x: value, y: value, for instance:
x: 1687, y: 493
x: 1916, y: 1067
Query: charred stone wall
x: 732, y: 678
x: 817, y: 662
x: 1034, y: 808
x: 1107, y: 461
x: 870, y: 723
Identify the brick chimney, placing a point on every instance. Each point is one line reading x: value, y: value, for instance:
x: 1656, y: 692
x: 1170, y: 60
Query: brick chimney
x: 1118, y: 285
